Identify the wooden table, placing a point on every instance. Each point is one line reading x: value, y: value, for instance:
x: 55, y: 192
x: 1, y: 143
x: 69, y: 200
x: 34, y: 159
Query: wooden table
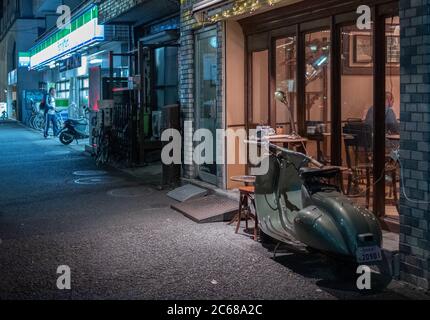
x: 393, y: 137
x: 299, y: 143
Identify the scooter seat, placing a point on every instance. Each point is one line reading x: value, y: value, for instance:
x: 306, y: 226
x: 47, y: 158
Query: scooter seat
x: 77, y: 122
x: 307, y: 173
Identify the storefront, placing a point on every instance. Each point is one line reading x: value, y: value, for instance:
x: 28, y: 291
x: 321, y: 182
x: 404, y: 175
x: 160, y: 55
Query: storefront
x: 65, y: 57
x: 332, y: 73
x: 342, y: 81
x: 154, y: 26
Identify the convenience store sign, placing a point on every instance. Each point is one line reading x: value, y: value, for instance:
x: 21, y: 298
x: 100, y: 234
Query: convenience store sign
x: 84, y: 30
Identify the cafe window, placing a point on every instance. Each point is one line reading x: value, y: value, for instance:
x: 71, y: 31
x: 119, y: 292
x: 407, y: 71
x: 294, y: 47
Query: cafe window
x: 317, y: 102
x: 286, y: 81
x: 334, y: 112
x: 357, y: 112
x: 392, y: 116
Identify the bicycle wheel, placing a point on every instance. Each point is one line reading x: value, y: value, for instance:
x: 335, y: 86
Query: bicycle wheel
x: 102, y: 156
x: 31, y: 122
x: 39, y: 122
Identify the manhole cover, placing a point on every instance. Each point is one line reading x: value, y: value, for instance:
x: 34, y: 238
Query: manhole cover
x: 133, y: 192
x: 97, y: 180
x: 90, y: 173
x: 57, y: 153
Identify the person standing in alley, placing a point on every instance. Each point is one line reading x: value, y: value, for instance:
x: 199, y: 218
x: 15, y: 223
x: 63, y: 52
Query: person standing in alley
x: 51, y: 113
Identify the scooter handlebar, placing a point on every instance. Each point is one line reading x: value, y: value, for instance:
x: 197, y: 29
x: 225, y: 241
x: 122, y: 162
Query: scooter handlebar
x: 289, y: 152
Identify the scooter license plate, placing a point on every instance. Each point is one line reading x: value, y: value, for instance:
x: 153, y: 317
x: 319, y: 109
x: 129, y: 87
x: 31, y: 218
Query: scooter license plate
x: 369, y: 254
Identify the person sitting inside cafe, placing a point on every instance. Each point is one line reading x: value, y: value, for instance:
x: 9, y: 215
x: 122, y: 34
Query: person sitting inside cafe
x: 391, y: 124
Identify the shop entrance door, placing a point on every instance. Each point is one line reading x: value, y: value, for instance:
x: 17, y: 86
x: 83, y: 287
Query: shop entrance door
x: 206, y: 96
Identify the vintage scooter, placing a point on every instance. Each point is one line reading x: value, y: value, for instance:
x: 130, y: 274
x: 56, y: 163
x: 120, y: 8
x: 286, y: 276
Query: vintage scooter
x: 299, y: 198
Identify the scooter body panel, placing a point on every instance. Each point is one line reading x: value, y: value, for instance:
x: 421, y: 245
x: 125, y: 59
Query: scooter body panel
x: 358, y: 226
x: 76, y: 128
x: 318, y: 230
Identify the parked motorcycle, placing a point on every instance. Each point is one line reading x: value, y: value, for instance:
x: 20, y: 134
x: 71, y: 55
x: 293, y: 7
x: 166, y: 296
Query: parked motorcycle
x: 301, y: 198
x: 74, y: 129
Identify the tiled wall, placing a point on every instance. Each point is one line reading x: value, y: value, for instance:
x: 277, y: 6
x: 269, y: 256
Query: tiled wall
x: 415, y: 141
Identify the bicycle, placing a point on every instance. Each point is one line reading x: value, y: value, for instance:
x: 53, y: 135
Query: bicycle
x: 38, y: 121
x: 103, y: 147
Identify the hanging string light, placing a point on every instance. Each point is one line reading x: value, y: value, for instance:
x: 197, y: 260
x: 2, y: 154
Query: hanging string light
x: 241, y: 7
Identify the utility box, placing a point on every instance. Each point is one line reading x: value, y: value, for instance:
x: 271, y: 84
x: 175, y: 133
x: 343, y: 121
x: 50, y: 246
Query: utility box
x: 105, y: 114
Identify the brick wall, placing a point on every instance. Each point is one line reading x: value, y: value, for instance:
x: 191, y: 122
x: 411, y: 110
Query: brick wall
x: 415, y: 141
x: 186, y: 77
x: 110, y: 9
x: 187, y: 81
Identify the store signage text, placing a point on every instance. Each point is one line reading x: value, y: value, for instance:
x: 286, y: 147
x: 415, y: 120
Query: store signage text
x: 75, y: 61
x: 82, y: 31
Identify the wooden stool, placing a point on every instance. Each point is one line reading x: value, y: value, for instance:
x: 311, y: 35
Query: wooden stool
x: 247, y: 198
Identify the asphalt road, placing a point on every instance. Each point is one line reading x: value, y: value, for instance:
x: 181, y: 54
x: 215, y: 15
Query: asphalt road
x: 122, y: 241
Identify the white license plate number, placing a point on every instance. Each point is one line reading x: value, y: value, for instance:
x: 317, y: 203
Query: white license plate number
x: 369, y: 254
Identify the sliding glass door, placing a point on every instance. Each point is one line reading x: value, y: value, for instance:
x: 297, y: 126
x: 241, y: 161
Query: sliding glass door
x: 206, y: 95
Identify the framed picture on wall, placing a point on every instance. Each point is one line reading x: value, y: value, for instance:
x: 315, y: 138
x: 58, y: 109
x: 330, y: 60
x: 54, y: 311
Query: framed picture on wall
x: 362, y: 49
x: 357, y: 53
x: 393, y: 50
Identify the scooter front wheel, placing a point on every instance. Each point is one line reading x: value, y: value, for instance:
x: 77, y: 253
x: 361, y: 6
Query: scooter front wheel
x: 66, y: 138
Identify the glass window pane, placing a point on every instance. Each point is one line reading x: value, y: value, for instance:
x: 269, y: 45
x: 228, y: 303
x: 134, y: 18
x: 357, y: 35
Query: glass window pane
x: 357, y: 112
x: 317, y: 93
x: 159, y: 67
x: 206, y: 93
x: 171, y: 62
x: 286, y: 74
x: 392, y: 122
x: 160, y: 99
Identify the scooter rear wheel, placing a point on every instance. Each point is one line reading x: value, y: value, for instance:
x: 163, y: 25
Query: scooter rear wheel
x: 66, y: 138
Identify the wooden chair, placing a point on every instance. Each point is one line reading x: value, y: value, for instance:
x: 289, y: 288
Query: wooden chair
x: 358, y: 148
x: 391, y: 176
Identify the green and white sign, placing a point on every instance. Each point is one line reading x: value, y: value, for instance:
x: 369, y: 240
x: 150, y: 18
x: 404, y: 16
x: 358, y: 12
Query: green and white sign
x: 83, y: 30
x: 23, y: 59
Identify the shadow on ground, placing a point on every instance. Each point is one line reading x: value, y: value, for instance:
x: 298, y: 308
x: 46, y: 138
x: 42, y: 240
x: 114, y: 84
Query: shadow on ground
x: 330, y: 274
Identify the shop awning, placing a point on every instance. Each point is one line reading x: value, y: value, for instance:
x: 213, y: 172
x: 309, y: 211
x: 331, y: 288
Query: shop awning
x: 161, y: 37
x: 208, y: 4
x: 140, y: 13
